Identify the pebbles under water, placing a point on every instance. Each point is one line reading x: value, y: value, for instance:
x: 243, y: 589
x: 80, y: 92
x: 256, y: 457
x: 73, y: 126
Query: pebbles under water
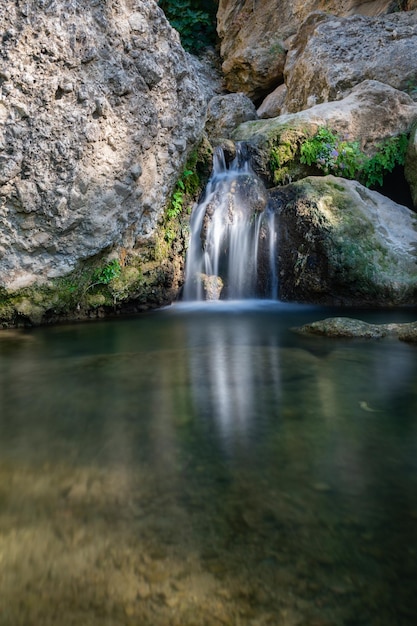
x: 207, y: 468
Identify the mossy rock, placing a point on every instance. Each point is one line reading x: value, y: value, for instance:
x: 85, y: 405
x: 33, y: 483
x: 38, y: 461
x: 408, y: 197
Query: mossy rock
x: 341, y: 243
x: 349, y: 328
x: 274, y: 145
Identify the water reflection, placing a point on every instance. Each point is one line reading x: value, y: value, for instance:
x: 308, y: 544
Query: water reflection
x: 207, y: 466
x: 227, y: 375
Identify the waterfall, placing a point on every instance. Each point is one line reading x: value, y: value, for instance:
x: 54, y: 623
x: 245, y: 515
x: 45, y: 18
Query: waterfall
x: 232, y: 249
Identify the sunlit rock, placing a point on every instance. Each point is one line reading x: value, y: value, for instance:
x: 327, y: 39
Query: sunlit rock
x: 372, y: 112
x: 255, y: 36
x: 330, y: 55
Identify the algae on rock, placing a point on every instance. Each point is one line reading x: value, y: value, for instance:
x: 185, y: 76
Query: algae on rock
x: 341, y: 243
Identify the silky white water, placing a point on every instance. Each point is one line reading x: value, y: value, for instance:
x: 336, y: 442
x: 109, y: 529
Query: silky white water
x: 232, y: 249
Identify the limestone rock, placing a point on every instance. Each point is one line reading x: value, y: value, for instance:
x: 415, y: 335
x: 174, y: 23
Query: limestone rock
x: 372, y: 112
x: 98, y: 108
x: 254, y: 36
x: 341, y: 243
x: 226, y: 112
x: 346, y: 327
x: 330, y: 55
x: 273, y: 104
x: 212, y: 286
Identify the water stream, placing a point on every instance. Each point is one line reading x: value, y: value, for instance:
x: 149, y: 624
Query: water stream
x: 232, y: 250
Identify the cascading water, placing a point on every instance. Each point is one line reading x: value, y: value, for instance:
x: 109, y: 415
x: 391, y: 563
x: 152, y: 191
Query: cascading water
x: 232, y: 250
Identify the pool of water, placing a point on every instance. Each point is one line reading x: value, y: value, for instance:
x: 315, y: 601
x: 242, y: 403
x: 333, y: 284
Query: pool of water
x: 204, y: 465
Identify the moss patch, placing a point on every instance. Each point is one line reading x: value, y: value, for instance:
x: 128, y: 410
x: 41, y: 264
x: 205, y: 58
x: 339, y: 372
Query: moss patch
x: 119, y: 280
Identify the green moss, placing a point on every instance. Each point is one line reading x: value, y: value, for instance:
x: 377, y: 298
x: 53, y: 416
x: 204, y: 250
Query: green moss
x: 357, y: 257
x: 186, y: 191
x: 283, y: 149
x: 97, y: 283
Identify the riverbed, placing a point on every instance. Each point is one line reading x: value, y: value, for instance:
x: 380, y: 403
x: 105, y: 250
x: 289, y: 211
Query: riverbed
x: 205, y: 465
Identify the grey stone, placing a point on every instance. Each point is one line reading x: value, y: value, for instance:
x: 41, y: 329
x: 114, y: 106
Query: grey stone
x: 82, y: 119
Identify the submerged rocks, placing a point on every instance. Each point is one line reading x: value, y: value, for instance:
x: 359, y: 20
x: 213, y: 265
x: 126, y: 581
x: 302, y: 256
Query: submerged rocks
x: 346, y: 327
x: 341, y: 243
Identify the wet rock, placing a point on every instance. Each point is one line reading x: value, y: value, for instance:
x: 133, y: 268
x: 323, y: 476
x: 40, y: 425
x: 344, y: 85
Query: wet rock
x: 212, y: 286
x: 341, y: 243
x: 346, y: 327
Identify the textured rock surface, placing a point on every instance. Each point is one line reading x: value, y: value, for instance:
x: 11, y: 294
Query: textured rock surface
x: 253, y: 36
x: 341, y: 243
x: 347, y: 327
x: 98, y: 108
x: 273, y: 104
x: 226, y: 112
x: 371, y: 112
x: 330, y: 55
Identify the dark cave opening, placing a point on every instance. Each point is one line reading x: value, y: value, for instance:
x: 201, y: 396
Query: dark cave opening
x: 397, y: 188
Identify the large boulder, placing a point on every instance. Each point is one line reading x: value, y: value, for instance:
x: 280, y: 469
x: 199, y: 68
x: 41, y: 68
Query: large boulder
x: 330, y: 55
x: 343, y: 244
x: 98, y: 110
x: 372, y: 112
x: 254, y: 36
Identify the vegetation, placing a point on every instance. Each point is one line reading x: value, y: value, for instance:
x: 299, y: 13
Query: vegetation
x: 186, y: 189
x: 195, y: 20
x: 337, y: 155
x: 106, y: 274
x: 283, y: 154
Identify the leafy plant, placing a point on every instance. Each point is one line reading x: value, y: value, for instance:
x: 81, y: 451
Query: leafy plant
x: 391, y: 152
x: 177, y: 200
x: 336, y: 155
x: 332, y: 154
x: 103, y: 276
x: 195, y: 21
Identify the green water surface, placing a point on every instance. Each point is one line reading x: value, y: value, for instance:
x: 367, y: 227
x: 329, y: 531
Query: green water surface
x: 207, y: 466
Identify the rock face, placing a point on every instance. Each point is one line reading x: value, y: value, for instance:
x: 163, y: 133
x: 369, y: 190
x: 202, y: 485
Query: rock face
x: 330, y: 55
x: 254, y: 36
x: 225, y: 113
x: 341, y: 243
x: 346, y: 327
x: 372, y: 112
x: 98, y: 109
